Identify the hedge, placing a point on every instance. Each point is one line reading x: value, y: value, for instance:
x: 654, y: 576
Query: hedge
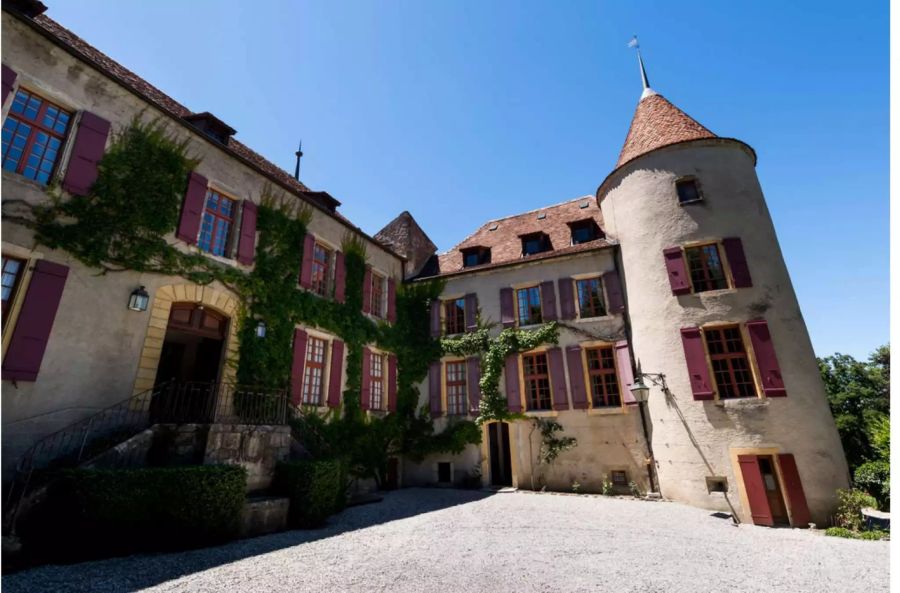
x: 316, y: 490
x: 102, y: 512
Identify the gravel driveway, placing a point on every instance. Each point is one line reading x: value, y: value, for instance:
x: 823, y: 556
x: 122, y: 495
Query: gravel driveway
x: 449, y: 540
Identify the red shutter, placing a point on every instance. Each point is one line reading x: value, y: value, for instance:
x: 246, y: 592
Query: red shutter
x: 678, y: 278
x: 335, y: 381
x: 247, y: 239
x: 548, y: 301
x: 32, y: 332
x: 756, y: 490
x: 734, y: 251
x: 473, y: 367
x: 87, y: 150
x: 8, y: 81
x: 766, y: 361
x: 616, y: 302
x: 192, y: 208
x: 513, y: 397
x: 566, y: 298
x: 576, y: 377
x: 695, y: 356
x: 435, y: 318
x: 507, y: 314
x: 794, y: 490
x: 297, y: 366
x: 309, y: 247
x: 392, y: 300
x: 367, y: 291
x: 558, y: 378
x: 625, y: 372
x: 366, y: 391
x: 471, y: 312
x: 340, y: 277
x: 392, y: 382
x: 434, y: 389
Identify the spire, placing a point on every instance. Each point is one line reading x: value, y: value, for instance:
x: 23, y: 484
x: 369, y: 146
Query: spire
x: 648, y: 92
x: 298, y: 154
x: 657, y: 123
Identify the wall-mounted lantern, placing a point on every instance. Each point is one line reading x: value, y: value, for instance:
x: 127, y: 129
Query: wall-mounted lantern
x: 261, y: 329
x: 139, y: 299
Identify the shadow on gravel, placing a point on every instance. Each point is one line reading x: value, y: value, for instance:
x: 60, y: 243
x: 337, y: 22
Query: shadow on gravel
x: 132, y: 573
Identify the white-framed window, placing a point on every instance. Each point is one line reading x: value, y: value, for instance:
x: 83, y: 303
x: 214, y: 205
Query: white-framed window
x: 314, y: 372
x: 377, y: 400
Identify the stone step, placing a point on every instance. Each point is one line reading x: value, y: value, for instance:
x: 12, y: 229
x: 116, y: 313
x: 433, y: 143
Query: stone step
x: 264, y: 514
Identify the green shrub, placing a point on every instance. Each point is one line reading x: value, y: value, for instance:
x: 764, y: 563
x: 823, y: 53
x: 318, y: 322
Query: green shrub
x: 606, y: 488
x: 316, y: 489
x: 850, y: 504
x: 100, y: 512
x: 840, y: 532
x: 875, y: 534
x: 874, y: 477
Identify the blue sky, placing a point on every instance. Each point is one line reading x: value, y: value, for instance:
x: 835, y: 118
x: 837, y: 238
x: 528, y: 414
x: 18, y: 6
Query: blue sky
x: 464, y: 111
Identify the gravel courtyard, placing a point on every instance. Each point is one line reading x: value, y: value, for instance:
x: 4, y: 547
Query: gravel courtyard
x: 450, y: 540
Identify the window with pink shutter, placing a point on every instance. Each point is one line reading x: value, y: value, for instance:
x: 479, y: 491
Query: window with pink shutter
x: 33, y: 135
x: 728, y: 356
x: 314, y: 372
x: 455, y: 380
x: 604, y: 383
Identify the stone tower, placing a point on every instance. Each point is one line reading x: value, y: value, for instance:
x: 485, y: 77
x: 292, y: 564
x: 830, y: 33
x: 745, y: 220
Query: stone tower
x: 712, y: 308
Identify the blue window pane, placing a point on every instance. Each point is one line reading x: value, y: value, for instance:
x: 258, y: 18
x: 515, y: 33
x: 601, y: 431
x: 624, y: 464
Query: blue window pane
x: 43, y: 177
x: 50, y: 116
x: 29, y: 172
x: 31, y: 109
x: 54, y: 143
x: 19, y: 102
x: 9, y: 164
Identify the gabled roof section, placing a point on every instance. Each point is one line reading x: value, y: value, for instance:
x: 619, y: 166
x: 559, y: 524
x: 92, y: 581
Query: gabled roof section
x: 503, y: 236
x: 657, y: 123
x: 400, y: 232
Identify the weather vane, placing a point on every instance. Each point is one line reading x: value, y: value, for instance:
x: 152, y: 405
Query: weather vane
x: 637, y: 46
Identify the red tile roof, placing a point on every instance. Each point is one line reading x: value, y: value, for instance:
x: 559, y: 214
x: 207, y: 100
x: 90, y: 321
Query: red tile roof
x: 657, y: 123
x: 505, y: 240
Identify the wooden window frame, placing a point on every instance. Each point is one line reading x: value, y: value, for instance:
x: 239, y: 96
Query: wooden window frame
x: 378, y: 299
x: 216, y: 216
x: 518, y: 312
x: 747, y: 355
x: 603, y: 299
x: 36, y: 126
x: 612, y: 478
x: 536, y: 379
x: 603, y: 373
x: 322, y: 272
x: 310, y: 365
x: 462, y: 409
x: 482, y: 256
x: 544, y: 243
x: 453, y: 314
x: 16, y: 285
x: 688, y: 179
x: 720, y: 252
x: 585, y: 223
x: 377, y: 381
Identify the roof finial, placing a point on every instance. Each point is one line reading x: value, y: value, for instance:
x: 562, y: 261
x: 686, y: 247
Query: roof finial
x: 647, y: 90
x: 299, y: 154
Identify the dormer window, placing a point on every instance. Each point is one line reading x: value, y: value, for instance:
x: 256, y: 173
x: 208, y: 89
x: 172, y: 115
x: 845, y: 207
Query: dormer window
x: 535, y: 243
x: 476, y: 256
x: 688, y: 191
x: 212, y: 126
x: 584, y: 231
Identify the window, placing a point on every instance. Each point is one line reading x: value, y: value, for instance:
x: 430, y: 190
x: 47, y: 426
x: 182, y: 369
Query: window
x: 584, y: 231
x: 378, y: 295
x: 529, y: 301
x: 12, y: 274
x: 590, y: 297
x: 455, y: 316
x: 705, y: 268
x: 313, y: 386
x: 687, y: 190
x: 215, y: 230
x: 603, y: 379
x: 475, y: 256
x: 321, y: 269
x: 33, y: 135
x: 376, y: 381
x: 456, y: 388
x: 729, y: 362
x: 535, y: 243
x: 619, y: 477
x: 537, y: 381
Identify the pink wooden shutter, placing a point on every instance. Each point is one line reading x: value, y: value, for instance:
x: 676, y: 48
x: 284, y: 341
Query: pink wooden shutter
x: 309, y: 247
x: 766, y: 361
x: 507, y: 315
x: 247, y: 239
x: 678, y: 278
x: 32, y: 332
x: 434, y: 389
x: 471, y: 311
x: 366, y: 391
x: 436, y: 318
x: 192, y: 208
x: 695, y: 357
x: 513, y: 397
x: 625, y: 372
x: 335, y: 380
x: 392, y: 382
x: 297, y: 366
x: 548, y: 301
x: 576, y: 377
x: 566, y: 298
x: 473, y: 367
x: 8, y: 81
x: 558, y: 378
x: 616, y: 302
x: 760, y: 511
x: 340, y: 277
x: 391, y: 300
x: 367, y: 291
x: 87, y: 150
x: 734, y: 251
x: 794, y: 490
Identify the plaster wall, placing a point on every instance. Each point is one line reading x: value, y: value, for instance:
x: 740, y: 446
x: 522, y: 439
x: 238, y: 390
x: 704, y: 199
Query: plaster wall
x: 641, y: 211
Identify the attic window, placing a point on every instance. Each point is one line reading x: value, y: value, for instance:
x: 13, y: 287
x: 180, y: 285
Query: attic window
x: 535, y: 243
x: 494, y: 227
x: 688, y: 190
x: 584, y: 231
x: 584, y: 205
x: 212, y: 126
x: 542, y: 216
x: 476, y: 256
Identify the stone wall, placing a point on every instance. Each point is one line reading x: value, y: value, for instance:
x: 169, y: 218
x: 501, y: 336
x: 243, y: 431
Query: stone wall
x: 255, y: 448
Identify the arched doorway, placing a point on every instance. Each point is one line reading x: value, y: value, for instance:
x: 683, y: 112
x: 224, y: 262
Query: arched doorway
x: 193, y: 345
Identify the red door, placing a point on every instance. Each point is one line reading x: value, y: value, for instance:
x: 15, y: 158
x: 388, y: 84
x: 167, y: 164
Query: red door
x: 756, y: 490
